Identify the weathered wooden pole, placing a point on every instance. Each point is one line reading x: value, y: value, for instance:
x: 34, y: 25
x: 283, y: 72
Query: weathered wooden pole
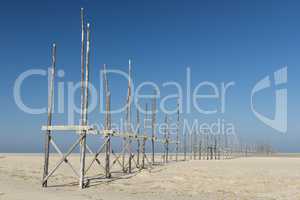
x: 49, y: 121
x: 207, y: 147
x: 215, y: 147
x: 107, y: 125
x: 191, y: 145
x: 166, y: 139
x: 130, y: 155
x: 123, y: 154
x: 200, y: 147
x: 177, y: 131
x: 143, y: 152
x: 82, y: 65
x: 129, y: 130
x: 219, y: 146
x: 153, y: 129
x: 144, y: 138
x: 138, y: 133
x: 82, y: 93
x: 195, y: 145
x: 126, y: 141
x: 85, y: 113
x: 108, y: 145
x: 211, y: 144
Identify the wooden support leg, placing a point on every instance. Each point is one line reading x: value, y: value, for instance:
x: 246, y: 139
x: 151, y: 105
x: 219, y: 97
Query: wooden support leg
x: 167, y: 152
x: 207, y: 153
x: 138, y: 152
x: 215, y: 153
x: 107, y: 157
x: 153, y: 155
x: 123, y: 155
x: 46, y: 156
x: 130, y: 156
x: 82, y: 161
x: 84, y: 116
x: 176, y: 156
x: 143, y: 153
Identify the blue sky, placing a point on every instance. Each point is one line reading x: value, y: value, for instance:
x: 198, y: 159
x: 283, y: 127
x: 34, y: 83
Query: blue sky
x: 221, y: 41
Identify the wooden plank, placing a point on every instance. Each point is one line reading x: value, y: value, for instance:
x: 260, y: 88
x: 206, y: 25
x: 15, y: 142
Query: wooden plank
x: 77, y: 128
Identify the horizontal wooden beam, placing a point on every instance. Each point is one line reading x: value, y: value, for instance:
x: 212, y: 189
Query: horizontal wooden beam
x: 92, y: 130
x: 67, y: 128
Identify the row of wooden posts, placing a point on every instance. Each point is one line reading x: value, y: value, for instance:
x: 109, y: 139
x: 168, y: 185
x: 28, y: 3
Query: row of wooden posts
x: 128, y: 158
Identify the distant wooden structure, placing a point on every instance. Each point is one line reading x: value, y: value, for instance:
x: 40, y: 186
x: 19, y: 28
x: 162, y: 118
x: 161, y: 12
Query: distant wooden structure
x: 129, y: 158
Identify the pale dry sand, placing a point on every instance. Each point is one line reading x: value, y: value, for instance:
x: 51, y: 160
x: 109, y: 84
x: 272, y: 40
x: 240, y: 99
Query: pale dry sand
x: 240, y: 178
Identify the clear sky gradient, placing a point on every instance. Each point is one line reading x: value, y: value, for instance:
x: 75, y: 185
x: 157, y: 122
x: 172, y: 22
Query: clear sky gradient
x: 221, y: 41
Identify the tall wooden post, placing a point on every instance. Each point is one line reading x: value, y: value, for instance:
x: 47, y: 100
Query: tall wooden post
x: 123, y: 154
x: 153, y: 128
x: 177, y: 131
x: 195, y: 145
x: 207, y: 147
x: 85, y: 113
x: 166, y: 139
x: 129, y: 117
x: 49, y: 122
x: 107, y: 155
x: 144, y: 138
x: 107, y: 125
x: 143, y: 152
x: 191, y: 145
x: 127, y: 141
x: 184, y: 145
x: 130, y: 155
x: 82, y: 66
x: 200, y: 147
x: 219, y: 146
x: 215, y: 147
x: 82, y: 98
x: 138, y: 133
